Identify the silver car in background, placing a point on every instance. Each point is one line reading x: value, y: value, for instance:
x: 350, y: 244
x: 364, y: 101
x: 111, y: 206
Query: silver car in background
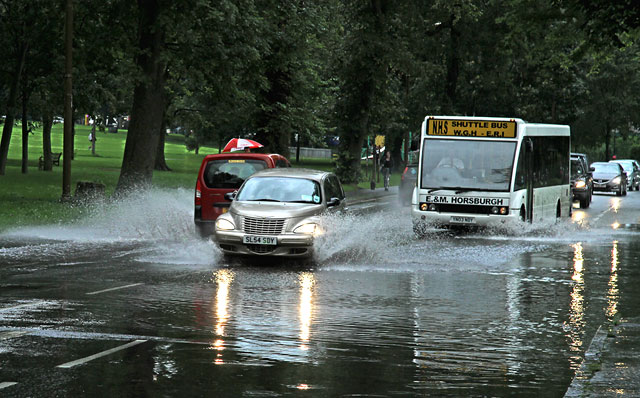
x: 277, y: 212
x: 632, y: 170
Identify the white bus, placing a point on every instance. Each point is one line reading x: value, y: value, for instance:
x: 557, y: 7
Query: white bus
x: 482, y: 171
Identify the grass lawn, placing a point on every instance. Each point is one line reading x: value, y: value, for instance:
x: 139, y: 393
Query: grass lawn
x: 34, y: 198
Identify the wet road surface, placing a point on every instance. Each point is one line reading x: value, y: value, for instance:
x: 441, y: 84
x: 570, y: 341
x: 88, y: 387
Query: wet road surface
x: 130, y: 303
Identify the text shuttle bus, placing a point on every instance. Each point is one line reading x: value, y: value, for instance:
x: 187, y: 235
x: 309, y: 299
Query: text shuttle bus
x: 484, y: 171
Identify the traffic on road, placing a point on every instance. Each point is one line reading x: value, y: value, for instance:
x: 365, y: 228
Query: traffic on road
x: 133, y: 302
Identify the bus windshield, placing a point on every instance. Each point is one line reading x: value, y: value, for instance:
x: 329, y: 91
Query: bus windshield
x: 467, y: 164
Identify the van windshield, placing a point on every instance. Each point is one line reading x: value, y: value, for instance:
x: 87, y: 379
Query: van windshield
x: 230, y: 173
x: 467, y: 164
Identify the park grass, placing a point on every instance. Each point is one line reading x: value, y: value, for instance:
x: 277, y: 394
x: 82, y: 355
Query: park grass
x: 34, y: 198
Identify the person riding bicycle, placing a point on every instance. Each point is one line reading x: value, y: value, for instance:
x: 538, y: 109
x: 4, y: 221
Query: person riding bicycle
x: 386, y: 166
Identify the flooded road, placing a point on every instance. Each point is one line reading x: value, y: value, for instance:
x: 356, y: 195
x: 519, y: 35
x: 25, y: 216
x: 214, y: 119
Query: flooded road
x: 128, y: 302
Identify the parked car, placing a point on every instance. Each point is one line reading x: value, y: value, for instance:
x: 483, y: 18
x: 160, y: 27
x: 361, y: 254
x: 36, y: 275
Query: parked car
x: 581, y: 181
x: 632, y: 170
x: 277, y: 212
x: 408, y: 182
x: 609, y: 177
x: 223, y: 173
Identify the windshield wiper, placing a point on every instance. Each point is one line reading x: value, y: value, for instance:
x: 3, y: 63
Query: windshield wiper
x: 457, y: 189
x: 264, y: 200
x: 299, y: 201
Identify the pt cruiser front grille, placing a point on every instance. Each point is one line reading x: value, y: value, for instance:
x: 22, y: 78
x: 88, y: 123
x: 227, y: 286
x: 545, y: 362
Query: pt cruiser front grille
x: 263, y: 226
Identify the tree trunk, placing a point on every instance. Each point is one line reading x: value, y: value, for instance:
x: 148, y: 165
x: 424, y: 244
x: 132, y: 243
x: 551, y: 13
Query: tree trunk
x: 11, y: 109
x: 148, y: 103
x: 25, y: 132
x: 47, y: 123
x: 93, y: 139
x: 161, y: 162
x: 453, y: 67
x: 607, y: 134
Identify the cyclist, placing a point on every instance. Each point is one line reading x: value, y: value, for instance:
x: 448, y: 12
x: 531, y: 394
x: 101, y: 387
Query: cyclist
x: 386, y: 166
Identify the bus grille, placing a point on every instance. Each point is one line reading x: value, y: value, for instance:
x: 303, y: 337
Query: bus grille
x: 445, y: 208
x: 263, y: 226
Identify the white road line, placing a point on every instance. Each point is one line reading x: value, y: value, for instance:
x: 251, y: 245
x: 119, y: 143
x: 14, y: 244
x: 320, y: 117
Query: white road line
x: 115, y: 288
x: 100, y: 354
x: 12, y: 334
x: 6, y: 384
x: 15, y: 307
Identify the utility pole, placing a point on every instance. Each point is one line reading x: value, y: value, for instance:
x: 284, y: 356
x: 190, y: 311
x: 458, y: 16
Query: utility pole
x: 68, y: 103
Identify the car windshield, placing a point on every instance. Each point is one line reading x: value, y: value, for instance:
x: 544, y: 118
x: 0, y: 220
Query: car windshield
x: 280, y: 189
x: 606, y: 168
x: 576, y: 168
x: 627, y: 166
x: 230, y: 173
x: 467, y: 165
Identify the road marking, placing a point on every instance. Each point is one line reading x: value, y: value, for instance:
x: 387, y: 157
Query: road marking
x: 115, y: 288
x: 6, y: 384
x: 100, y: 354
x: 15, y: 307
x: 12, y: 334
x: 78, y: 335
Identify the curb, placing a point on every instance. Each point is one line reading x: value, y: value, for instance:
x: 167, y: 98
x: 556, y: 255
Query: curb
x: 589, y: 365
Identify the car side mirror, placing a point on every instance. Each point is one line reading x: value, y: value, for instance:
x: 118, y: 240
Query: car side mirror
x: 230, y: 195
x: 333, y: 202
x: 592, y: 169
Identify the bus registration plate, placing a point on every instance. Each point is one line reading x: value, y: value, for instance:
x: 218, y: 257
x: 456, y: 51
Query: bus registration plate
x: 462, y: 220
x: 259, y: 240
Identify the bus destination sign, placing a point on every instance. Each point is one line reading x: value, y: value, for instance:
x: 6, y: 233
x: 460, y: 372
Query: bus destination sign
x: 472, y: 128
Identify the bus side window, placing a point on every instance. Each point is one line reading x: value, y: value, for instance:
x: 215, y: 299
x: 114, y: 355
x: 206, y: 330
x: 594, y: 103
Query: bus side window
x: 521, y: 181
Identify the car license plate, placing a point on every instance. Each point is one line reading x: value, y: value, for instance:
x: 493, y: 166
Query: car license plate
x: 599, y: 185
x: 462, y: 220
x: 259, y: 240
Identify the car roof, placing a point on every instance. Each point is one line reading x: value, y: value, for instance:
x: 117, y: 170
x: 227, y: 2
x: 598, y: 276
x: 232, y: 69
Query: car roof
x: 316, y: 175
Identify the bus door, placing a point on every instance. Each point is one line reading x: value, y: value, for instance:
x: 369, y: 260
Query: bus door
x: 528, y: 159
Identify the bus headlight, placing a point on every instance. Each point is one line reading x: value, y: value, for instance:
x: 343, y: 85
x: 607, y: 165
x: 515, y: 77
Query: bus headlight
x: 432, y: 207
x: 224, y: 225
x: 504, y: 210
x: 494, y: 210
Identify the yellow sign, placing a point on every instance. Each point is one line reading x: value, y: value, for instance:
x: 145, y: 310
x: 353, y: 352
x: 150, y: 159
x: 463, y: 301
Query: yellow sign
x: 472, y: 128
x: 235, y: 161
x: 379, y: 140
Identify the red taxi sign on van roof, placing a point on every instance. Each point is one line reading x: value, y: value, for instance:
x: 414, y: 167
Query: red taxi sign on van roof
x: 472, y: 128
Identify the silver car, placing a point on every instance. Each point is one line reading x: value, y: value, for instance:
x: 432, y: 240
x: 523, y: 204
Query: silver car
x: 276, y: 212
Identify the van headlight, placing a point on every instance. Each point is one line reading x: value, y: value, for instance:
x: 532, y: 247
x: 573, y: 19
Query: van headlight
x: 308, y: 229
x: 224, y: 225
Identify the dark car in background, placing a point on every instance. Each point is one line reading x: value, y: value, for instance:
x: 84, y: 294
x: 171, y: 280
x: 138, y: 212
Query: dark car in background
x: 632, y: 170
x: 408, y: 182
x: 581, y: 181
x: 223, y: 173
x: 609, y: 177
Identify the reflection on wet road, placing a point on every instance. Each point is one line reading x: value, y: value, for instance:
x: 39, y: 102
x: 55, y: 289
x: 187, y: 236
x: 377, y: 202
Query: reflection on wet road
x: 142, y: 307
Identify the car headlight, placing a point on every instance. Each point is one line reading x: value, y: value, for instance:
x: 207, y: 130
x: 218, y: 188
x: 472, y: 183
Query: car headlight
x: 308, y: 229
x: 580, y: 184
x: 616, y: 180
x: 224, y: 225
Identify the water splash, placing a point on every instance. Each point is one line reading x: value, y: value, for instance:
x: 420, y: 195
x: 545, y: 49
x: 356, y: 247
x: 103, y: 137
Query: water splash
x: 156, y: 225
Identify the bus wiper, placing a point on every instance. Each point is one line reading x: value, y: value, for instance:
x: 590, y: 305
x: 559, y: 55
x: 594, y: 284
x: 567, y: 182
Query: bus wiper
x: 457, y: 189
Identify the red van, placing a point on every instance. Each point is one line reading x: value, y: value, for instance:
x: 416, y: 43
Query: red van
x: 223, y: 173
